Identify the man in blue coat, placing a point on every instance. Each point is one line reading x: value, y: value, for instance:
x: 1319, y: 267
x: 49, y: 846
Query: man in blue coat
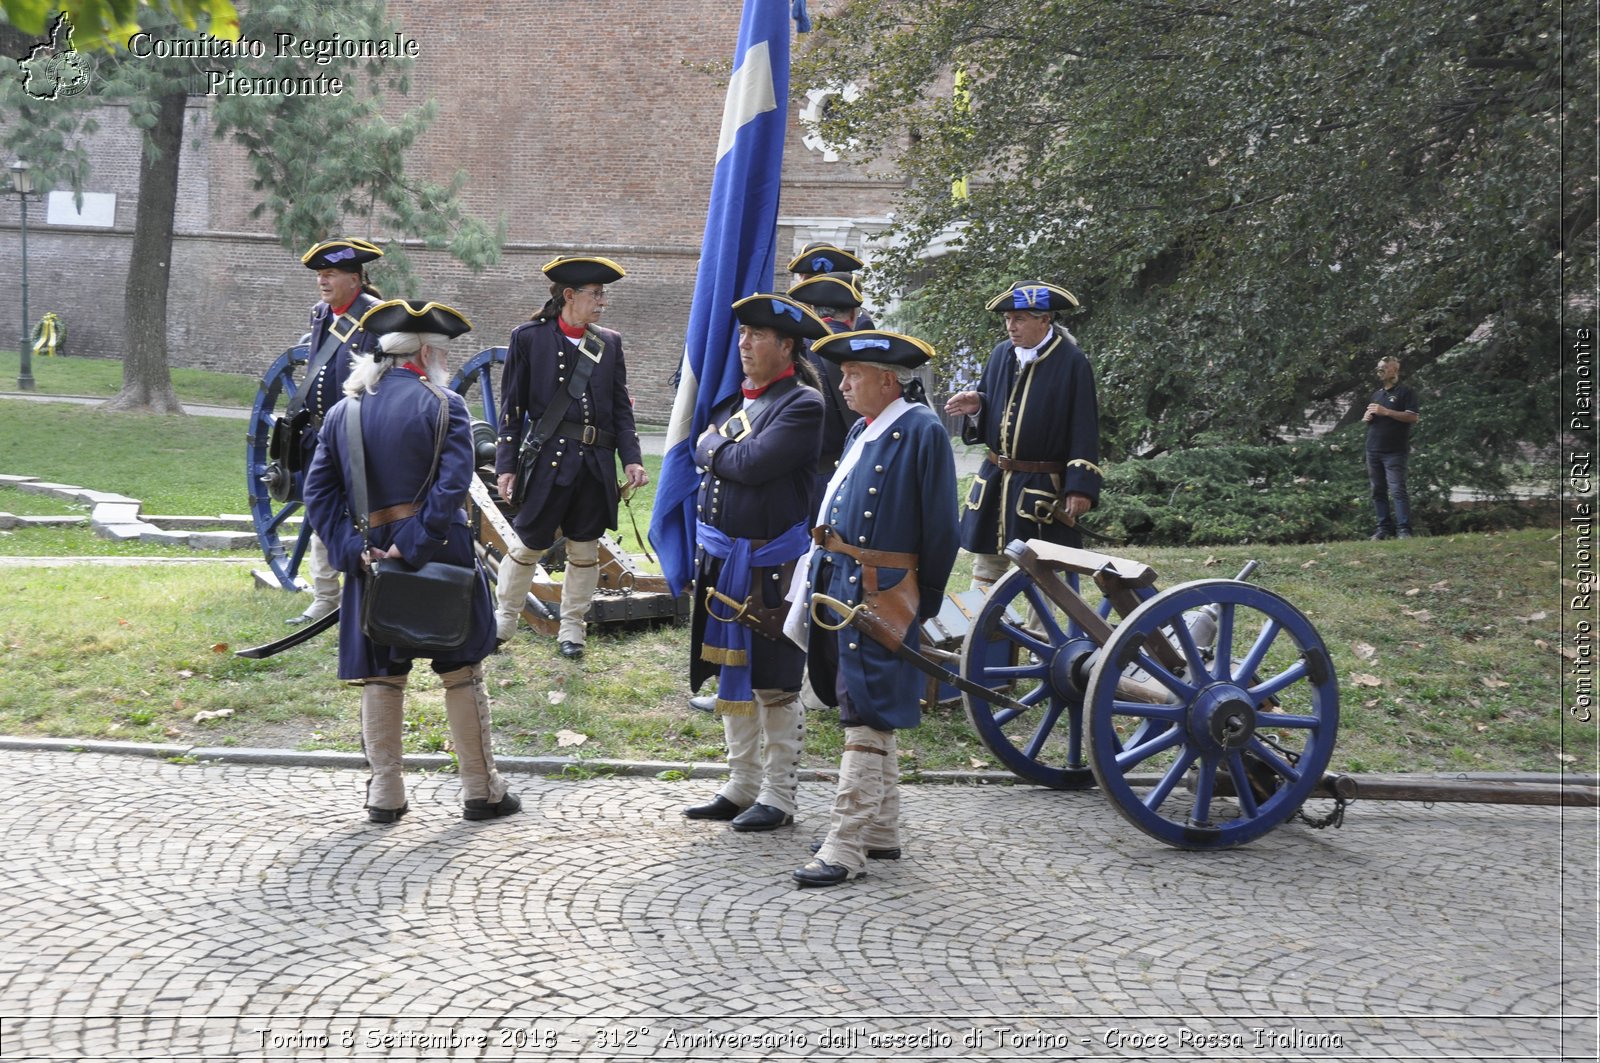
x: 416, y: 486
x: 885, y: 543
x: 345, y: 296
x: 757, y: 462
x: 1035, y: 410
x: 567, y: 417
x: 837, y: 302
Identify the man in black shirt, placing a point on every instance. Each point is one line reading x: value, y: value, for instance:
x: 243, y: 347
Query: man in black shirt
x: 1389, y: 417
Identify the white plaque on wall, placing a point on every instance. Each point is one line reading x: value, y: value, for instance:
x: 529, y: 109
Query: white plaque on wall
x: 99, y: 209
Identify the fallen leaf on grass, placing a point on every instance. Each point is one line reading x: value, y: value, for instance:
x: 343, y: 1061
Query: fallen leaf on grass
x: 122, y: 622
x: 1418, y: 614
x: 1493, y: 682
x: 1365, y: 650
x: 1480, y: 728
x: 976, y: 762
x: 1365, y: 679
x: 570, y: 738
x: 184, y: 673
x: 1569, y: 653
x: 1567, y: 758
x: 1541, y: 643
x: 1531, y: 617
x: 1308, y: 564
x: 1442, y: 585
x: 1413, y: 592
x: 557, y: 696
x: 218, y: 714
x: 1209, y: 561
x: 1370, y: 704
x: 219, y: 647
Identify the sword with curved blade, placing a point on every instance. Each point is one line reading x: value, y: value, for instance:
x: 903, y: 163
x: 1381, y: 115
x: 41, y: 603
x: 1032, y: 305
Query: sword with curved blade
x: 301, y: 634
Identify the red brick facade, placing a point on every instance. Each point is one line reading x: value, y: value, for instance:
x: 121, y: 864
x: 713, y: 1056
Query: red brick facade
x: 591, y: 126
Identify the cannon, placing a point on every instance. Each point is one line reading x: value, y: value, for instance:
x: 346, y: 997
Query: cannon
x: 627, y: 592
x: 1206, y: 713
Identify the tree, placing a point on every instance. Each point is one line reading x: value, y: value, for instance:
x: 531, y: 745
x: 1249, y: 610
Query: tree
x: 97, y: 21
x: 312, y: 184
x: 1254, y: 200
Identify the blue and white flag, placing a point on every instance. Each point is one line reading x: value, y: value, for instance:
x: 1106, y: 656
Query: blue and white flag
x: 737, y: 257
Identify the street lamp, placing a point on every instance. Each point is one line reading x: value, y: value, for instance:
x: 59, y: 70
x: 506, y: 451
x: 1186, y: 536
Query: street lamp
x: 22, y: 185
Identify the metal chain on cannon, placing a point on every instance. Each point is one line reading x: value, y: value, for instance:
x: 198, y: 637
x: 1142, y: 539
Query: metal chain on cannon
x: 1334, y: 818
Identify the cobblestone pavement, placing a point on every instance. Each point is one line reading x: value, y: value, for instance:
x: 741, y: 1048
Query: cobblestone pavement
x: 156, y: 911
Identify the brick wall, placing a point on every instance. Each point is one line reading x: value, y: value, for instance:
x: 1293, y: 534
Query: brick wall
x: 590, y: 127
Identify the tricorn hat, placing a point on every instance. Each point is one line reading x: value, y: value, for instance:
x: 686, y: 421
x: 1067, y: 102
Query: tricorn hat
x: 408, y: 315
x: 1033, y: 295
x: 765, y: 310
x: 346, y: 254
x: 824, y: 258
x: 579, y: 270
x: 874, y: 345
x: 827, y: 289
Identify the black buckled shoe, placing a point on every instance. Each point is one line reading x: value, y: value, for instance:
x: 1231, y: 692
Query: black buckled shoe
x: 480, y: 808
x: 718, y: 807
x: 820, y: 873
x: 572, y: 650
x: 387, y: 815
x: 762, y: 817
x: 872, y: 854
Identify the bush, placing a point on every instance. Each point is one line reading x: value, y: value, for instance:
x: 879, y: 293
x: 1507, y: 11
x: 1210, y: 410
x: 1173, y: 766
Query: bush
x: 1308, y: 491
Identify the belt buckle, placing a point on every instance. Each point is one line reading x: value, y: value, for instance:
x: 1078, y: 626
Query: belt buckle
x: 589, y: 434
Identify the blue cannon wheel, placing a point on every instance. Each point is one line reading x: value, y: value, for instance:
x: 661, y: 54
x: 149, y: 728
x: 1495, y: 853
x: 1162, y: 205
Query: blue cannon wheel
x: 284, y: 541
x: 1023, y: 643
x: 476, y: 382
x: 282, y: 544
x: 1247, y: 725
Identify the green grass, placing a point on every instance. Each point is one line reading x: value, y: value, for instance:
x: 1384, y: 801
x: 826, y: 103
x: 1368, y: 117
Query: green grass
x: 1460, y: 635
x: 102, y: 377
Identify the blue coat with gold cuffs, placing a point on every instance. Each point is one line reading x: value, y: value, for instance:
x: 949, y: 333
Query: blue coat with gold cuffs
x: 398, y: 422
x: 539, y: 364
x: 899, y: 497
x: 757, y: 487
x: 1044, y: 413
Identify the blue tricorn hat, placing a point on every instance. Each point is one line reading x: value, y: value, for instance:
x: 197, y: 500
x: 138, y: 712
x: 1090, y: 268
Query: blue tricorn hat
x: 779, y: 312
x: 827, y: 289
x: 824, y: 258
x: 346, y: 254
x: 874, y: 345
x: 576, y: 271
x: 409, y: 315
x: 1033, y: 295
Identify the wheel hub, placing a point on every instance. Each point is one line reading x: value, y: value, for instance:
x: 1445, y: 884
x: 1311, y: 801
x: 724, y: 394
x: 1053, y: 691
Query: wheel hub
x: 1069, y: 669
x: 1223, y: 718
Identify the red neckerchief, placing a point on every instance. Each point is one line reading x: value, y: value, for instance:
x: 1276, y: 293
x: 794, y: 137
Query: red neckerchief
x: 755, y: 393
x: 571, y: 332
x: 868, y: 420
x: 340, y: 311
x: 415, y: 368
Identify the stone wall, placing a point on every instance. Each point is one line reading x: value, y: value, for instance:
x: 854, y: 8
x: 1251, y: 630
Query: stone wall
x: 589, y: 127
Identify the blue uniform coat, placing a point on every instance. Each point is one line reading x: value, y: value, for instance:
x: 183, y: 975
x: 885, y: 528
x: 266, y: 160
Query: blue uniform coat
x: 324, y: 390
x: 899, y: 497
x: 538, y: 365
x: 398, y: 423
x: 758, y: 488
x: 1046, y: 412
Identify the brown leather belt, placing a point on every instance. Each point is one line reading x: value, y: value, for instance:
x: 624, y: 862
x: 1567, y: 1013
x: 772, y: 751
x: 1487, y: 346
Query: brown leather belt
x: 1013, y: 465
x: 389, y: 514
x: 823, y: 533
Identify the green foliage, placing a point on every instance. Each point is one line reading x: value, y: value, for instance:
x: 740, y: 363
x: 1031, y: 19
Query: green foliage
x: 1253, y: 200
x: 96, y: 23
x: 1309, y: 491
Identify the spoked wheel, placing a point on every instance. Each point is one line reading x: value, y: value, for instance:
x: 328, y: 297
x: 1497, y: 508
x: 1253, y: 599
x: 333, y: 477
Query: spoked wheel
x: 1249, y: 736
x: 1025, y: 644
x: 476, y: 382
x: 274, y: 492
